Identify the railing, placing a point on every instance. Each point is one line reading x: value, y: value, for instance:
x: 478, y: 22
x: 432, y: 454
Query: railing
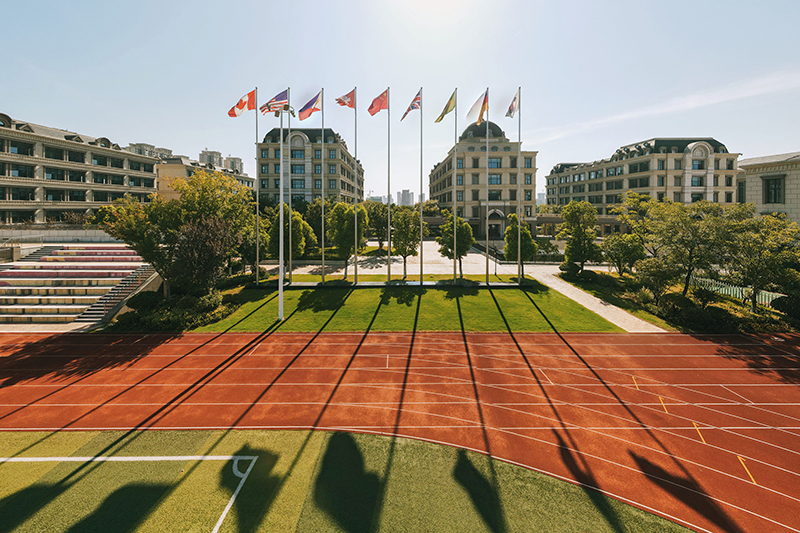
x: 137, y: 279
x: 740, y: 293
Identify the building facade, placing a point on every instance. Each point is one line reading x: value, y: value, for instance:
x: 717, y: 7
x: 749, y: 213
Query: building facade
x: 183, y: 167
x: 405, y: 197
x: 772, y: 183
x: 48, y: 173
x: 471, y: 180
x: 149, y: 150
x: 679, y: 169
x: 308, y: 174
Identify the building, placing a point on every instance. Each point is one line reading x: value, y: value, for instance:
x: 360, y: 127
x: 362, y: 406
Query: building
x: 772, y: 183
x: 405, y: 197
x: 541, y: 198
x: 48, y: 173
x: 678, y: 169
x: 149, y: 150
x: 234, y: 164
x: 471, y: 178
x: 209, y: 156
x: 303, y: 160
x: 183, y: 167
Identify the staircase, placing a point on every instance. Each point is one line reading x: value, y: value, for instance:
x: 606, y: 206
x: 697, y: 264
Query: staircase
x: 60, y: 283
x: 98, y: 310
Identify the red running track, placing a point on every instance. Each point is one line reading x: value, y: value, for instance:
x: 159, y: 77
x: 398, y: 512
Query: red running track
x: 703, y: 430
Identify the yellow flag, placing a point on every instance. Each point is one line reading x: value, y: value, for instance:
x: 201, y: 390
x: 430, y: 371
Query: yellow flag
x: 451, y: 104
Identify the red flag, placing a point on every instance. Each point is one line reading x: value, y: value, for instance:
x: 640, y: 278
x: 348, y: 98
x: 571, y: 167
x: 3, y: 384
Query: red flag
x: 348, y: 100
x: 381, y: 102
x: 247, y: 102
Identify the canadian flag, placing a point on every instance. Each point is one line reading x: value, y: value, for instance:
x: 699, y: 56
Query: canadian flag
x: 247, y: 102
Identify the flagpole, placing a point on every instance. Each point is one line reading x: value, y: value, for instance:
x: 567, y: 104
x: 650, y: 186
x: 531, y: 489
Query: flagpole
x: 455, y: 167
x: 389, y: 187
x: 280, y: 232
x: 519, y: 188
x: 355, y: 168
x: 421, y: 256
x: 487, y: 186
x: 322, y: 153
x: 258, y: 194
x: 289, y: 139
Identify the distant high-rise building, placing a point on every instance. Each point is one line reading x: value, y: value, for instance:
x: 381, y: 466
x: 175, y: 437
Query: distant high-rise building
x: 210, y: 156
x: 405, y: 197
x: 541, y: 198
x: 422, y: 197
x: 148, y: 150
x: 234, y: 164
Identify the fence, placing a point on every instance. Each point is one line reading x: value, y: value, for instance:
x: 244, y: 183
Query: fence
x: 720, y: 287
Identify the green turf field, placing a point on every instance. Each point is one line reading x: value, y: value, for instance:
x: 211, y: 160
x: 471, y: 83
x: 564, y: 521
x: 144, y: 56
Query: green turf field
x: 535, y: 308
x: 300, y: 481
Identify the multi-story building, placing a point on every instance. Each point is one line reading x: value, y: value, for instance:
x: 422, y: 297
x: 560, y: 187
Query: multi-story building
x: 772, y: 183
x: 680, y: 169
x: 405, y: 197
x: 234, y: 164
x: 471, y: 179
x: 149, y: 150
x: 306, y: 170
x: 210, y: 156
x: 183, y: 167
x: 46, y: 173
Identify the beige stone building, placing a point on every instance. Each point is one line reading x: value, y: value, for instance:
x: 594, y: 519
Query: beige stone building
x: 471, y: 180
x: 305, y: 169
x: 182, y: 167
x: 772, y: 183
x: 46, y: 173
x: 678, y: 169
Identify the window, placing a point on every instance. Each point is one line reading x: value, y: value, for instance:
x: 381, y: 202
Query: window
x: 476, y: 162
x: 698, y: 164
x: 494, y: 179
x: 276, y: 168
x: 471, y: 148
x: 100, y: 178
x: 528, y: 195
x: 331, y: 184
x: 460, y: 196
x: 661, y: 164
x: 298, y: 184
x: 331, y: 154
x: 317, y: 184
x: 135, y: 182
x: 773, y: 190
x: 512, y: 195
x: 513, y: 162
x: 697, y: 181
x: 298, y: 169
x: 459, y: 179
x: 716, y: 197
x: 728, y: 181
x: 277, y: 153
x: 528, y: 162
x: 54, y: 174
x: 578, y: 188
x: 716, y: 164
x: 317, y: 154
x: 697, y: 196
x: 298, y: 154
x: 612, y: 185
x: 99, y: 160
x: 134, y: 165
x: 476, y: 211
x: 677, y: 181
x: 527, y: 210
x: 116, y: 163
x: 595, y: 187
x: 100, y: 196
x: 528, y: 179
x: 483, y: 148
x: 147, y: 182
x: 16, y: 147
x: 494, y: 195
x: 317, y: 169
x: 277, y: 183
x: 677, y: 164
x: 117, y: 180
x: 494, y: 148
x: 331, y: 169
x: 676, y: 197
x: 729, y: 197
x: 76, y: 157
x: 265, y: 154
x: 639, y: 167
x: 264, y: 184
x: 25, y: 195
x: 476, y: 180
x: 660, y: 196
x: 716, y: 181
x: 475, y: 193
x: 611, y: 198
x: 77, y: 175
x: 729, y: 164
x: 495, y: 162
x: 265, y: 169
x: 661, y: 181
x: 512, y: 179
x: 53, y: 153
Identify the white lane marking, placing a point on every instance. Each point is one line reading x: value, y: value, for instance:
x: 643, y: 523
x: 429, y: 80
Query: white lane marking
x: 736, y: 393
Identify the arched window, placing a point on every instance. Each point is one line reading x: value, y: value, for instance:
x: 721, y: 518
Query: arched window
x: 5, y: 121
x: 494, y: 148
x: 471, y: 149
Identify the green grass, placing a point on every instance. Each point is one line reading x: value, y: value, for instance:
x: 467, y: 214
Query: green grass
x: 302, y: 481
x: 408, y: 308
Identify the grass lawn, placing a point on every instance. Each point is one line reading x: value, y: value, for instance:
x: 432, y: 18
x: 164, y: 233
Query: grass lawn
x: 303, y: 481
x: 405, y: 308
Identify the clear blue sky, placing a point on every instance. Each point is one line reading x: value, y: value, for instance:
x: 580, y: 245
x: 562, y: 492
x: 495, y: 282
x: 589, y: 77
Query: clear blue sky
x: 594, y: 75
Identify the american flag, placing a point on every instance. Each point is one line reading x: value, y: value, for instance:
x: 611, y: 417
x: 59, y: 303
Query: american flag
x: 277, y: 103
x: 415, y: 104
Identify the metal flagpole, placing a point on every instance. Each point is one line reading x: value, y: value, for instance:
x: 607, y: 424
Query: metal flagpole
x: 258, y: 194
x: 487, y: 187
x: 455, y: 166
x: 289, y: 140
x: 389, y: 186
x: 280, y: 232
x: 421, y: 260
x: 519, y: 188
x: 322, y: 154
x: 355, y: 169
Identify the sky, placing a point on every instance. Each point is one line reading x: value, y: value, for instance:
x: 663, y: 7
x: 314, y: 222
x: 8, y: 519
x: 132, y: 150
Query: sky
x: 594, y: 75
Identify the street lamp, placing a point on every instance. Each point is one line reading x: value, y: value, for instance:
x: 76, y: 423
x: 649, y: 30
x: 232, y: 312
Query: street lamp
x: 279, y: 113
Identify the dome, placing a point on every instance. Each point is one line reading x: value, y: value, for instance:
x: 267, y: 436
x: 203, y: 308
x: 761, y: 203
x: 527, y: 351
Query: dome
x: 474, y: 130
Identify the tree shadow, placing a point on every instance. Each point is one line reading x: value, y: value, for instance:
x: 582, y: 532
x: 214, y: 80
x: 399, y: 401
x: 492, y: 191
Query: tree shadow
x: 454, y: 292
x: 483, y: 492
x: 258, y: 492
x: 402, y: 295
x: 123, y: 510
x: 322, y: 299
x: 343, y: 488
x: 782, y: 364
x: 688, y: 491
x: 18, y: 507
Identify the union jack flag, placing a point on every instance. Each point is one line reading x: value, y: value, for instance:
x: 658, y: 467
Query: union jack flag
x: 415, y: 104
x: 277, y: 103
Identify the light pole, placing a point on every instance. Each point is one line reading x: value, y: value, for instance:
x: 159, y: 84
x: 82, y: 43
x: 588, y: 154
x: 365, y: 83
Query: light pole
x: 279, y: 113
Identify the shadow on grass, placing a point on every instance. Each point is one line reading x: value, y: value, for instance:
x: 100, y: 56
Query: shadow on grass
x: 18, y: 507
x: 344, y: 489
x: 258, y: 492
x: 124, y: 510
x: 483, y: 492
x: 318, y: 300
x: 402, y: 295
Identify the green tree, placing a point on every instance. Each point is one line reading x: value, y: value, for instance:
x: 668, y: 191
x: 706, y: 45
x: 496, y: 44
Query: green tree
x: 529, y: 247
x: 302, y: 235
x: 313, y: 214
x: 430, y: 208
x: 635, y: 212
x: 200, y: 258
x: 378, y: 214
x: 759, y: 252
x: 342, y: 231
x: 657, y: 275
x: 464, y: 239
x: 247, y: 249
x: 405, y: 234
x: 578, y: 229
x: 623, y: 250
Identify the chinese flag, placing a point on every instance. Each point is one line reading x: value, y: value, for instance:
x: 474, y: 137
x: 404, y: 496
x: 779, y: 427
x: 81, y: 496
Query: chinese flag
x: 381, y: 102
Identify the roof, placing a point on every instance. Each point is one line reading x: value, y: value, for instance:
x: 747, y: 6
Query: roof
x: 474, y: 130
x: 312, y: 133
x: 791, y: 157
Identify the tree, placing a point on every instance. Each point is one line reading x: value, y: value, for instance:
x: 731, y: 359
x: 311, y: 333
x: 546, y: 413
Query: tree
x: 759, y: 252
x: 302, y: 234
x: 635, y: 212
x: 528, y: 246
x: 247, y: 249
x: 623, y: 250
x: 405, y: 234
x: 314, y: 215
x: 342, y: 231
x: 464, y: 239
x: 378, y: 214
x: 430, y: 208
x: 201, y: 255
x: 580, y: 219
x: 657, y: 275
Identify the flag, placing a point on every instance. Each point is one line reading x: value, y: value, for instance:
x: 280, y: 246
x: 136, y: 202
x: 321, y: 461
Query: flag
x: 246, y: 103
x: 480, y: 106
x: 276, y: 104
x: 315, y: 104
x: 514, y: 107
x: 451, y: 104
x: 348, y: 100
x: 381, y: 102
x: 415, y: 103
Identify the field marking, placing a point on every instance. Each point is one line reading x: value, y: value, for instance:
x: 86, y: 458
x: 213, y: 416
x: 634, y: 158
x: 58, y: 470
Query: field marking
x: 634, y: 382
x: 663, y: 404
x: 145, y: 458
x: 747, y: 470
x: 698, y: 432
x: 736, y: 393
x: 545, y: 376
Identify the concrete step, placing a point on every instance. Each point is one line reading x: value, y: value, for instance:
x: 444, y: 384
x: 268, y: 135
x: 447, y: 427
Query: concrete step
x: 58, y: 282
x: 44, y: 251
x: 59, y: 266
x: 100, y: 247
x: 43, y: 309
x: 48, y: 300
x: 93, y: 253
x: 36, y: 319
x: 16, y: 290
x: 55, y: 274
x: 91, y: 258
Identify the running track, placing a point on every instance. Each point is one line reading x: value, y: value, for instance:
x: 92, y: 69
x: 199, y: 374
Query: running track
x: 704, y: 430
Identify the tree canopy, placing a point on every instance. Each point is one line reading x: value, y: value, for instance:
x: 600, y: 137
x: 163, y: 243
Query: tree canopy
x: 464, y: 239
x: 405, y: 234
x: 578, y: 229
x: 342, y: 231
x: 527, y: 243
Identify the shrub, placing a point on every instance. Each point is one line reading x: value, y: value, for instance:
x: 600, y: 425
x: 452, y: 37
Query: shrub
x: 788, y: 305
x: 643, y: 296
x: 676, y: 302
x: 588, y: 275
x: 703, y: 296
x: 569, y: 269
x: 145, y: 300
x: 209, y: 302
